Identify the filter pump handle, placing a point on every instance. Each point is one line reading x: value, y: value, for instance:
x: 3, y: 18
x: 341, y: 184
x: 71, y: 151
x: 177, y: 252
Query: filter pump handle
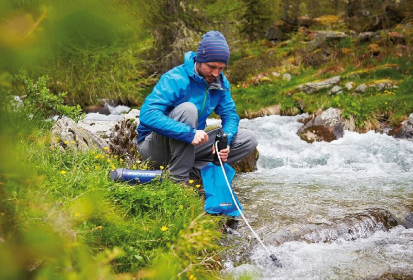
x: 222, y: 139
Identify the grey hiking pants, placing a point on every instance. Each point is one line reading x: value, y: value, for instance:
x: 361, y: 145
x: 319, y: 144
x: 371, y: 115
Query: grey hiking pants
x: 184, y: 158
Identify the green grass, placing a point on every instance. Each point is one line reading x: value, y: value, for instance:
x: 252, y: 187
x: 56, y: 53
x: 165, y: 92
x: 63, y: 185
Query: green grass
x: 63, y: 216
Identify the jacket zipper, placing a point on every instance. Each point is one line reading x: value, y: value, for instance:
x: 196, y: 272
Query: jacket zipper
x: 203, y: 105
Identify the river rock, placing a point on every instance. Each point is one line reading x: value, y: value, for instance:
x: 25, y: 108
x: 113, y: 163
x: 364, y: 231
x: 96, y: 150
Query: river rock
x: 317, y: 86
x: 351, y: 227
x: 324, y: 126
x: 247, y: 164
x: 404, y: 130
x: 68, y: 134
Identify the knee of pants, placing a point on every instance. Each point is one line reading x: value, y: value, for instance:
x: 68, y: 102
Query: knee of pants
x: 252, y: 140
x: 186, y: 113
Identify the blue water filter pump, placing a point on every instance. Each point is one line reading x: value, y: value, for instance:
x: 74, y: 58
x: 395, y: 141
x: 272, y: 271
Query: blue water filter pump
x: 135, y: 176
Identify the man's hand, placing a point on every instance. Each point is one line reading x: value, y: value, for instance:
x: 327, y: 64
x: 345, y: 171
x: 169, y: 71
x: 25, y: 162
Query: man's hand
x: 201, y: 137
x: 223, y: 154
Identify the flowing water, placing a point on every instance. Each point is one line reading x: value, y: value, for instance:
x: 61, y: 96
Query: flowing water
x: 339, y: 210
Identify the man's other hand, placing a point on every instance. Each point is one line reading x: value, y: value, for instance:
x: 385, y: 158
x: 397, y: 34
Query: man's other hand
x: 223, y: 154
x: 201, y: 137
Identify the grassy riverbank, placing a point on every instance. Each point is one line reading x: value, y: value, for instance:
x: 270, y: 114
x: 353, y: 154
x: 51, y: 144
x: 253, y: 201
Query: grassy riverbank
x: 260, y: 83
x: 62, y: 217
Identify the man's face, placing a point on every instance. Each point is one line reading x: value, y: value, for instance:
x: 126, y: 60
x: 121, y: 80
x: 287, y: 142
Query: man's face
x: 210, y: 70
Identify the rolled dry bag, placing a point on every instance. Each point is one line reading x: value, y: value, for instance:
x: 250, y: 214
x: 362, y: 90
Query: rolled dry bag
x: 135, y: 176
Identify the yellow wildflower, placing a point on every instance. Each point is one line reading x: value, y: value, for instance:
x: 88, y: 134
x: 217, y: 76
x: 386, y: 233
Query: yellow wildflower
x: 106, y: 148
x: 164, y: 228
x: 99, y: 227
x: 87, y: 169
x: 63, y: 172
x: 181, y: 207
x: 191, y: 181
x: 161, y: 167
x: 121, y: 160
x: 198, y: 186
x: 66, y: 142
x: 108, y: 160
x: 134, y: 167
x: 115, y: 156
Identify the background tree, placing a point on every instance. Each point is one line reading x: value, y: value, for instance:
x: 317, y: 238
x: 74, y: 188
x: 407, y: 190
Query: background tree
x: 176, y: 27
x: 255, y: 19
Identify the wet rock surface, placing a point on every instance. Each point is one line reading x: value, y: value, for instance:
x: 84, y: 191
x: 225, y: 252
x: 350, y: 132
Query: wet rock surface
x: 351, y: 227
x: 393, y: 276
x: 324, y: 126
x: 247, y: 164
x: 404, y: 130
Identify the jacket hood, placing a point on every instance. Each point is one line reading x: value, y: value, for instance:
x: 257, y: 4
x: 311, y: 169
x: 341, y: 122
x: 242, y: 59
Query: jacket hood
x: 189, y: 61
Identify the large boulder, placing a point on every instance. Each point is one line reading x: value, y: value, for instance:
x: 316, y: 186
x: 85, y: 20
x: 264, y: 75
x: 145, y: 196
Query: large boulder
x: 68, y: 134
x: 324, y: 126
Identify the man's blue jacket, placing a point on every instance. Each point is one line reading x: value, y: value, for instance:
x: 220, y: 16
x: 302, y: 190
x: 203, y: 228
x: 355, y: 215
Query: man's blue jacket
x: 181, y: 84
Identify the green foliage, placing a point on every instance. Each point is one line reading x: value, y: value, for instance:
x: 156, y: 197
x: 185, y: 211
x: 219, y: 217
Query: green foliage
x: 35, y: 100
x: 345, y: 43
x: 88, y: 48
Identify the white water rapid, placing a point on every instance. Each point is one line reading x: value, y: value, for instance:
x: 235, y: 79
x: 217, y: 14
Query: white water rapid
x: 339, y: 210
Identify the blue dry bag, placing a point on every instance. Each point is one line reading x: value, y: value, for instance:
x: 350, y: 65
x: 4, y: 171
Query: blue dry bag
x: 218, y: 198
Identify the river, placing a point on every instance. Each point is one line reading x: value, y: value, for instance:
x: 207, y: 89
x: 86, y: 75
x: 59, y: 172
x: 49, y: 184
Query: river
x: 339, y: 210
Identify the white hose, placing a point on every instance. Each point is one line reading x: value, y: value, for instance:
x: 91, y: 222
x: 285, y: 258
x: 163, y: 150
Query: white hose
x: 236, y: 204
